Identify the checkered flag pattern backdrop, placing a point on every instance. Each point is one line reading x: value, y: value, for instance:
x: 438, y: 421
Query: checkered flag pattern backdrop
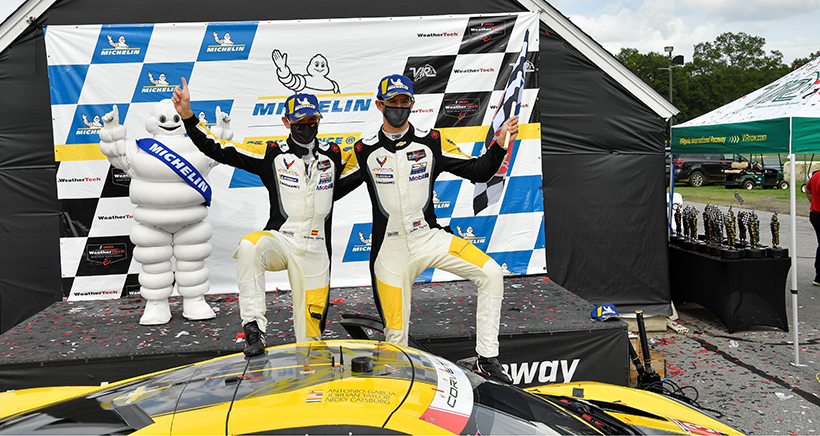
x: 459, y: 66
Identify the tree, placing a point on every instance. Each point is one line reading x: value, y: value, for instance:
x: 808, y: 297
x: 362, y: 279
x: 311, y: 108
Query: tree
x: 721, y: 71
x: 729, y: 68
x: 799, y: 62
x: 652, y: 69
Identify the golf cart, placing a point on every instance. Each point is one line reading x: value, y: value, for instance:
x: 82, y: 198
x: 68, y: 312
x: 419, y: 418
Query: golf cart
x: 748, y: 173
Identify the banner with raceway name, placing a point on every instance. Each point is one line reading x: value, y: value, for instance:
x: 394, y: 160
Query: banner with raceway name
x: 459, y: 65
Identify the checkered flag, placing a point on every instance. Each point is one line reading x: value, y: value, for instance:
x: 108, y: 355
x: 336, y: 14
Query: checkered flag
x: 489, y: 193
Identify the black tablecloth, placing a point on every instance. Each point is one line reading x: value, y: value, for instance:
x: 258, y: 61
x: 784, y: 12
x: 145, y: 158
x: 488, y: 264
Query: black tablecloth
x: 742, y: 293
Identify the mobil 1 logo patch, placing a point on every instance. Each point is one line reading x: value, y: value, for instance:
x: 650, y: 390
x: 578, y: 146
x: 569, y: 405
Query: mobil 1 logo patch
x: 462, y: 109
x: 487, y: 34
x: 429, y: 74
x: 227, y: 42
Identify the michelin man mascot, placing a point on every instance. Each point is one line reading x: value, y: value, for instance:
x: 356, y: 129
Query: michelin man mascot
x: 170, y: 191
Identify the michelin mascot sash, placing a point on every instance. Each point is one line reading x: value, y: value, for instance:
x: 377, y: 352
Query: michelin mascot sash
x: 178, y: 164
x: 170, y: 191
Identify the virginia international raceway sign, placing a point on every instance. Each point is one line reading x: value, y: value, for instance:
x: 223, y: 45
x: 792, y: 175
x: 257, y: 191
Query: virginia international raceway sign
x: 459, y: 65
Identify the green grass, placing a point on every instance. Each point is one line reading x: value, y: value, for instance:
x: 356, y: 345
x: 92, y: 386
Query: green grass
x: 759, y: 199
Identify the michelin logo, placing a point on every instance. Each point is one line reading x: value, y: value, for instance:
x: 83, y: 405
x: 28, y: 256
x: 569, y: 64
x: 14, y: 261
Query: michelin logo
x: 160, y: 84
x: 119, y: 47
x: 120, y: 44
x: 316, y: 78
x: 543, y: 372
x: 438, y: 203
x: 94, y: 124
x: 469, y: 235
x: 224, y: 44
x: 366, y: 241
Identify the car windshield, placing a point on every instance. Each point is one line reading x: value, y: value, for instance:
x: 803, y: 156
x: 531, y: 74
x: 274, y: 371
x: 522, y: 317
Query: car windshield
x: 500, y: 409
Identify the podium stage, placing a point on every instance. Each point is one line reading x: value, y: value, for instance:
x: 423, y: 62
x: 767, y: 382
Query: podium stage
x: 546, y: 334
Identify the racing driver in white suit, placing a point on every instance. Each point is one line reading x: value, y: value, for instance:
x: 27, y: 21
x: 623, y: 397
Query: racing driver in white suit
x: 399, y: 166
x: 301, y: 177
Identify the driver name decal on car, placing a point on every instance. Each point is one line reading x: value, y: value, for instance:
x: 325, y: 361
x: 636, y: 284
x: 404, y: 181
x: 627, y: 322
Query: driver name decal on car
x: 453, y: 401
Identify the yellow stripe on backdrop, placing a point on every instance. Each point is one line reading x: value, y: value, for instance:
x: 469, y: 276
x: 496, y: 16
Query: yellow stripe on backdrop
x: 68, y: 152
x: 76, y: 152
x: 479, y: 133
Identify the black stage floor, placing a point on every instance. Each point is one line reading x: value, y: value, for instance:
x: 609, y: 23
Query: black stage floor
x: 546, y: 334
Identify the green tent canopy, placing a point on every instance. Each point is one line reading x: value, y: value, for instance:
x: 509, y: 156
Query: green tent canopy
x: 783, y: 117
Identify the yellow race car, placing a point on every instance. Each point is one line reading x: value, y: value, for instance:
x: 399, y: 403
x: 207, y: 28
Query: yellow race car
x: 343, y: 387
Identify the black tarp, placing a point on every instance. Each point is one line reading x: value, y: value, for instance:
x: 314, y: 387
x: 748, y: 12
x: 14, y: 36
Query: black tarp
x: 602, y: 148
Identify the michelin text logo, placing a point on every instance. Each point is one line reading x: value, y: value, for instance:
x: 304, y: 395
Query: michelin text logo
x: 326, y: 105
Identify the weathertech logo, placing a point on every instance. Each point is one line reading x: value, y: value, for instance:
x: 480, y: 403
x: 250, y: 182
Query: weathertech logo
x: 461, y: 108
x: 487, y: 28
x: 93, y: 293
x: 437, y: 34
x: 79, y: 180
x: 106, y: 254
x: 473, y: 70
x: 115, y: 217
x: 120, y: 178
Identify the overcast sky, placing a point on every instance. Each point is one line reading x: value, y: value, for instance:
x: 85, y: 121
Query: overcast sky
x: 790, y: 26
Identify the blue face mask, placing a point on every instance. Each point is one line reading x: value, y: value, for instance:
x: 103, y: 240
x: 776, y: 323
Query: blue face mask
x: 304, y: 133
x: 396, y: 116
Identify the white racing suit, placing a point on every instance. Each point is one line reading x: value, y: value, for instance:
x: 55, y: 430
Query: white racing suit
x: 297, y: 235
x: 400, y: 177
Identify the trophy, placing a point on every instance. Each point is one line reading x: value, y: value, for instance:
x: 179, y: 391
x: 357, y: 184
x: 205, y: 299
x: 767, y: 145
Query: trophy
x: 776, y: 252
x: 754, y: 251
x: 742, y: 222
x: 731, y: 252
x: 694, y: 227
x: 700, y: 246
x: 686, y: 239
x: 677, y: 222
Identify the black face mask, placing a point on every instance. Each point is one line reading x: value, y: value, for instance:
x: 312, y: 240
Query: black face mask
x: 304, y: 133
x: 396, y: 116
